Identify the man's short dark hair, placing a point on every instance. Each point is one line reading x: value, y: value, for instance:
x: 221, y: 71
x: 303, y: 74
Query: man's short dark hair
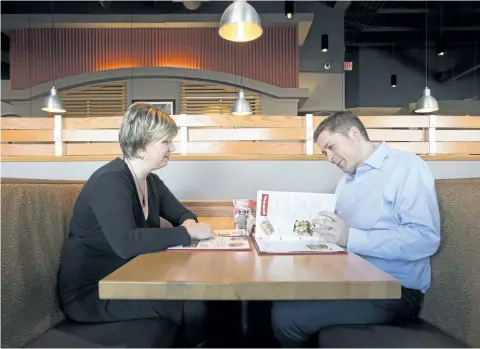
x: 341, y: 122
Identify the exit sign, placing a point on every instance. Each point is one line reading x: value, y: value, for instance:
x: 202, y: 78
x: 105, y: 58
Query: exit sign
x: 347, y: 65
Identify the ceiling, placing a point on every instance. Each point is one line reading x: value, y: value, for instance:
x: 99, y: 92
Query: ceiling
x: 394, y: 27
x: 399, y: 29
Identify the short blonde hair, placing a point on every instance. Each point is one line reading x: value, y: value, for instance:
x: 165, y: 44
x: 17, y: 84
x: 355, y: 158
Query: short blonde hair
x: 142, y: 124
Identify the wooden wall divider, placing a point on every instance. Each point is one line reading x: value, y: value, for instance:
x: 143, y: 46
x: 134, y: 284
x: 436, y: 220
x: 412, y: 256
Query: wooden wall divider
x: 229, y: 137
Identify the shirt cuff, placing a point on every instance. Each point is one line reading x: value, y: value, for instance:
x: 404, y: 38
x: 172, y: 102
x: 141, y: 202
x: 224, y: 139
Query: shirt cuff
x: 357, y: 240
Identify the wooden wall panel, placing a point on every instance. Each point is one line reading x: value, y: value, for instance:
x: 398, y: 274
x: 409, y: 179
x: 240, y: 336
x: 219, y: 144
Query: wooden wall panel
x: 272, y: 59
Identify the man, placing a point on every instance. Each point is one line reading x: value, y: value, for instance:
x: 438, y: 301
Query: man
x: 387, y: 212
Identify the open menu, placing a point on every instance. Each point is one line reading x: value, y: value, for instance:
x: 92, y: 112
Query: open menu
x: 226, y: 239
x: 284, y: 222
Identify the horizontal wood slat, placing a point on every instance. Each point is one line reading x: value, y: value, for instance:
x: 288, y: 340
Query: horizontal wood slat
x: 27, y: 149
x: 396, y: 135
x: 27, y: 135
x: 246, y: 147
x: 457, y: 121
x: 86, y: 123
x: 395, y: 121
x: 458, y: 147
x: 90, y: 135
x: 27, y: 123
x: 242, y: 121
x: 457, y: 135
x: 246, y: 134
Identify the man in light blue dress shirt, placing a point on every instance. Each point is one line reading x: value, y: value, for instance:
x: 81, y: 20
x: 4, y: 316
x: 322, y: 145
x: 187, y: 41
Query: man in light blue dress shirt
x: 387, y: 213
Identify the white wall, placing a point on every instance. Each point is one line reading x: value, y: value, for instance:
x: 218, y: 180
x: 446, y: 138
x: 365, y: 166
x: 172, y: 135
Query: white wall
x: 327, y: 91
x: 225, y: 180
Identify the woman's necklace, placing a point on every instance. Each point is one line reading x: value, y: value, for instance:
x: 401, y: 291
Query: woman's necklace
x: 144, y: 203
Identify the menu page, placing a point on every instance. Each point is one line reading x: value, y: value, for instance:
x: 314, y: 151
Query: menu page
x: 297, y: 246
x: 288, y: 215
x: 223, y: 240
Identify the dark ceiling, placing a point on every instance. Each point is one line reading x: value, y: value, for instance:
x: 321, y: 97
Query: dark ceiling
x: 399, y: 29
x: 395, y: 27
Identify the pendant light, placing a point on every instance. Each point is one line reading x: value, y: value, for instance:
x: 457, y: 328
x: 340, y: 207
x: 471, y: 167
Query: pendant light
x: 240, y: 22
x: 53, y: 103
x: 426, y: 104
x: 324, y: 43
x: 241, y: 105
x: 393, y: 77
x: 289, y: 9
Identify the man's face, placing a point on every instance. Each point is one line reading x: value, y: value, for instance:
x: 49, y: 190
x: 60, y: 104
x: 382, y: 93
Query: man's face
x: 342, y: 151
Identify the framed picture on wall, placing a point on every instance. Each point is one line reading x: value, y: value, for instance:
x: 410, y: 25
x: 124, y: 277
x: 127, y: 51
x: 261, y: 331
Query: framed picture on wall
x: 168, y: 105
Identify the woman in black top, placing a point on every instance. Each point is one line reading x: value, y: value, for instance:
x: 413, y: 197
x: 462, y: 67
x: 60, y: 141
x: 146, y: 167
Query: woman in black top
x: 116, y: 217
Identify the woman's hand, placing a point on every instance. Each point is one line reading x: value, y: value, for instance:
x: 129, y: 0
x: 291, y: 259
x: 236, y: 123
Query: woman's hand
x: 189, y: 222
x: 200, y: 231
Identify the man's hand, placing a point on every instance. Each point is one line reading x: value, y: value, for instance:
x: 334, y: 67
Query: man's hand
x: 188, y: 222
x: 250, y: 225
x: 332, y: 228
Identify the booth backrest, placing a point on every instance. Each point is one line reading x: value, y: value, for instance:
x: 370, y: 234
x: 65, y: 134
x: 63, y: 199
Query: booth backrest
x: 453, y: 301
x: 35, y: 216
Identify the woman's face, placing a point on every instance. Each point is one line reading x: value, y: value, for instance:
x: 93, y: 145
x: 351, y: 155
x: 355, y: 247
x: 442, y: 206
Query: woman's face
x: 157, y: 153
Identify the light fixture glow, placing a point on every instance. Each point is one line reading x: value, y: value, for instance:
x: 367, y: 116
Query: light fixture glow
x: 240, y: 23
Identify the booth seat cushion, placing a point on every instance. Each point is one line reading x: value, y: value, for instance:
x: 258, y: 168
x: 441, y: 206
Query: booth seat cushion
x: 418, y: 334
x: 145, y: 333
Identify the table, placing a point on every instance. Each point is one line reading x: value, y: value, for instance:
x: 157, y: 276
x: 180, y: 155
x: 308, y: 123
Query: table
x: 244, y: 275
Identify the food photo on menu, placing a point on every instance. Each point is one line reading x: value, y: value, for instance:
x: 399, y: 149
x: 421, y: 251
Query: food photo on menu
x: 284, y: 222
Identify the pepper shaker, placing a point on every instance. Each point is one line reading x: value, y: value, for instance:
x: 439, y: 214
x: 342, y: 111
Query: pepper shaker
x: 242, y: 219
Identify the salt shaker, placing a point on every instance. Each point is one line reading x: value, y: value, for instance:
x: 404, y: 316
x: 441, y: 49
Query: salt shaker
x: 249, y: 214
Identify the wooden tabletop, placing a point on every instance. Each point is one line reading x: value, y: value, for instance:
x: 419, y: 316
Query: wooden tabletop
x: 244, y: 275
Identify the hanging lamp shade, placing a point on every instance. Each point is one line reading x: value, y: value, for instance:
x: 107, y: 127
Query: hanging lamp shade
x: 241, y: 105
x: 240, y: 23
x: 426, y: 104
x: 53, y: 103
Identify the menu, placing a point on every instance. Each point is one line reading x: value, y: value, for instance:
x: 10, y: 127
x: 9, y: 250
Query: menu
x: 284, y: 222
x: 225, y: 239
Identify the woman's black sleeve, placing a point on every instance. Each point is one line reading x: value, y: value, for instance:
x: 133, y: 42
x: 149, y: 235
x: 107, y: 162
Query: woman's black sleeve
x: 112, y: 202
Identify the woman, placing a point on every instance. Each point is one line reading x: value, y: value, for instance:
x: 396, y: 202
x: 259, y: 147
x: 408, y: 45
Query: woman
x: 116, y: 217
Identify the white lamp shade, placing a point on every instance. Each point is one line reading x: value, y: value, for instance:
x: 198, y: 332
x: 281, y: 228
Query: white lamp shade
x: 241, y: 105
x: 426, y: 104
x: 53, y: 103
x: 240, y: 23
